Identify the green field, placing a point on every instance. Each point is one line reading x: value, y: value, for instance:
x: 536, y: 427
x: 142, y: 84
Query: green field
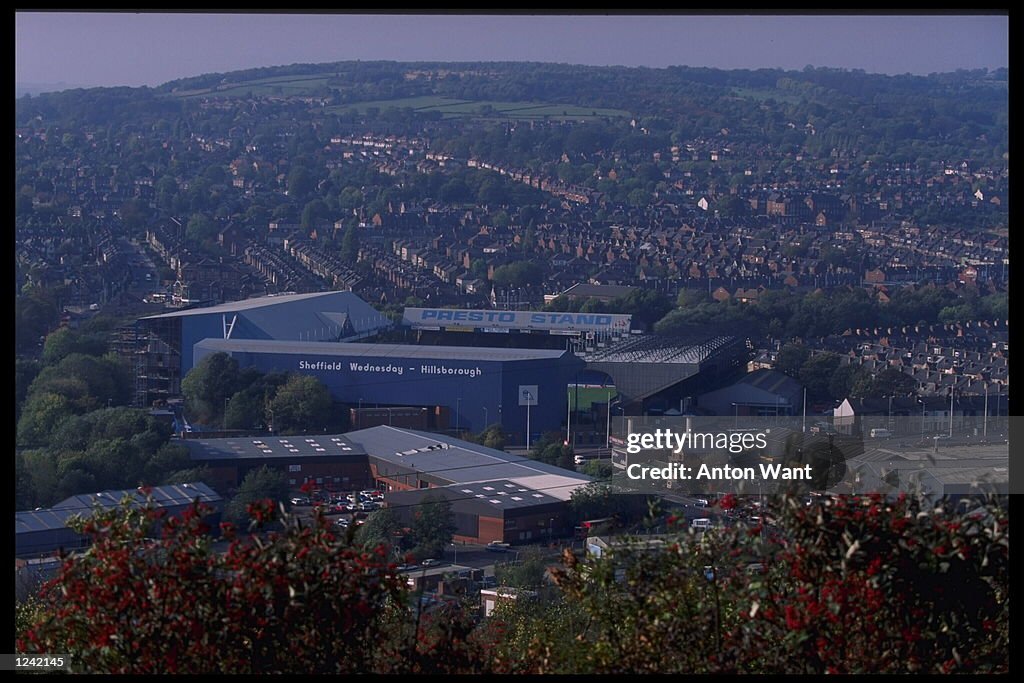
x: 767, y: 93
x: 588, y: 395
x: 449, y: 107
x: 272, y: 85
x: 453, y: 108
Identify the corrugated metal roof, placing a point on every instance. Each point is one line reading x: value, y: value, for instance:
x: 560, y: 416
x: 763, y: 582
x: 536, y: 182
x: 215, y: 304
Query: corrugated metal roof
x: 163, y: 496
x: 462, y: 462
x: 262, y: 447
x: 397, y: 351
x: 316, y: 316
x: 499, y: 494
x: 245, y: 304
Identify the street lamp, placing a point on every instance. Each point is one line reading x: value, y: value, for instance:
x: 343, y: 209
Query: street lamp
x: 608, y: 425
x: 529, y: 402
x: 458, y: 410
x: 359, y: 414
x: 485, y: 417
x: 921, y: 401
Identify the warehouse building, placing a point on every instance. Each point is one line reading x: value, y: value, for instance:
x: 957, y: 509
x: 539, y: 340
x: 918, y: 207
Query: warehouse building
x: 476, y: 386
x: 45, y: 531
x: 333, y: 461
x: 495, y: 496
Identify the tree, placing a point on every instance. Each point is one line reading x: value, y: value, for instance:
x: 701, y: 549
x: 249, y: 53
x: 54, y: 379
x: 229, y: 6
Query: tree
x: 206, y: 386
x: 66, y: 341
x: 518, y: 274
x: 303, y: 404
x: 237, y: 611
x: 528, y: 572
x: 190, y: 475
x: 350, y: 245
x: 260, y: 484
x: 433, y: 526
x: 314, y: 212
x: 42, y: 414
x: 300, y: 182
x: 598, y: 469
x: 35, y: 313
x: 791, y: 358
x: 200, y: 228
x: 844, y: 378
x: 381, y: 529
x: 889, y: 382
x: 816, y: 374
x: 245, y: 410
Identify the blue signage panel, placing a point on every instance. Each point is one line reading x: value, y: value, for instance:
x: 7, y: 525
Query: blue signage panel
x: 432, y: 318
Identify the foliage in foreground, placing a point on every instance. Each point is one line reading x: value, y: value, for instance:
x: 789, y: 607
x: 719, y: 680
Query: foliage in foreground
x: 302, y: 600
x: 856, y: 584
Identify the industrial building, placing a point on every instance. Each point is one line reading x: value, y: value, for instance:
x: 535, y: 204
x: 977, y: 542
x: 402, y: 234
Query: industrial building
x: 332, y: 461
x: 44, y: 531
x: 495, y: 496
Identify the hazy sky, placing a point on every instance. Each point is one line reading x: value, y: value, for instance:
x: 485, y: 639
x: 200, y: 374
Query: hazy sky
x: 149, y: 49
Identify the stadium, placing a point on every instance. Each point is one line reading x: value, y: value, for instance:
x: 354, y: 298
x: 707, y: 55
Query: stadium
x: 454, y: 370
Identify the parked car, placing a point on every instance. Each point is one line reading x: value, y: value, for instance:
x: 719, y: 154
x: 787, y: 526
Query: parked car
x: 300, y: 500
x: 498, y: 546
x: 430, y: 562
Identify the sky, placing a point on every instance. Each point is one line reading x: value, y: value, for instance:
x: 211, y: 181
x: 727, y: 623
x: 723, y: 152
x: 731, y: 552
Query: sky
x: 106, y: 49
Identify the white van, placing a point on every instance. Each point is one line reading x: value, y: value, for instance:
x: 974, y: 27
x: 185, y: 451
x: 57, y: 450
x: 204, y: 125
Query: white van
x: 701, y: 523
x: 880, y: 434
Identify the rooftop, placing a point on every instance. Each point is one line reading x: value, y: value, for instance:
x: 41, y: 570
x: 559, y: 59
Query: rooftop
x: 83, y: 504
x: 461, y: 462
x: 249, y: 448
x: 395, y: 351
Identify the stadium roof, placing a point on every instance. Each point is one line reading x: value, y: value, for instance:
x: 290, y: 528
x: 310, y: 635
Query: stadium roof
x: 379, y: 350
x: 320, y: 315
x: 247, y: 304
x: 266, y: 447
x: 659, y: 349
x: 461, y: 462
x: 83, y: 504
